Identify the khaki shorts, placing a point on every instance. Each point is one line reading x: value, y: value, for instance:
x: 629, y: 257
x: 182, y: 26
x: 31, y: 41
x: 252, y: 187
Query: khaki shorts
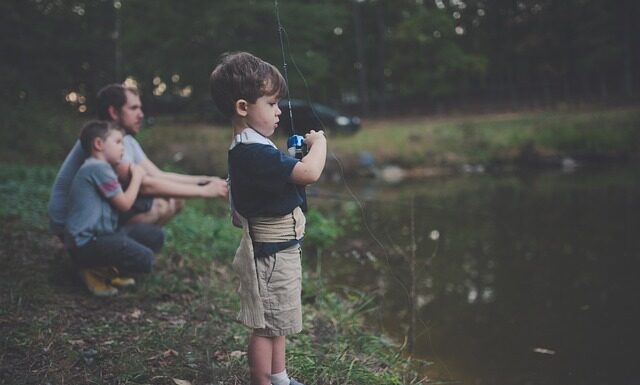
x: 279, y: 284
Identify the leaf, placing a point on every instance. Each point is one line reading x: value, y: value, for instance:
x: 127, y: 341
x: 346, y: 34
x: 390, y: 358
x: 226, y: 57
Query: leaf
x: 166, y: 354
x: 77, y: 342
x: 136, y: 313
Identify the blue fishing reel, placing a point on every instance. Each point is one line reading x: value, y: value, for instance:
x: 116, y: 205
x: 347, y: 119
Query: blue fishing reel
x: 296, y: 146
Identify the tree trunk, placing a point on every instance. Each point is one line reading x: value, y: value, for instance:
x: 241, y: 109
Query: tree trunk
x: 361, y: 60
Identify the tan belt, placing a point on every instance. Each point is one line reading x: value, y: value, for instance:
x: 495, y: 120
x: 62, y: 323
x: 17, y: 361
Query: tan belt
x: 278, y: 229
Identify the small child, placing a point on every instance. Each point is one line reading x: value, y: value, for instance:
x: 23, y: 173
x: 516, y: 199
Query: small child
x: 267, y: 191
x: 99, y: 248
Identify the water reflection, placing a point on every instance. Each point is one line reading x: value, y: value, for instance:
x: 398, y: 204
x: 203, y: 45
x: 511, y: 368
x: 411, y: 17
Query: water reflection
x: 531, y: 279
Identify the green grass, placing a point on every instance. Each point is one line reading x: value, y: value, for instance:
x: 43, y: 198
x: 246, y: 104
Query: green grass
x: 177, y: 323
x: 496, y: 138
x: 429, y: 141
x: 408, y: 142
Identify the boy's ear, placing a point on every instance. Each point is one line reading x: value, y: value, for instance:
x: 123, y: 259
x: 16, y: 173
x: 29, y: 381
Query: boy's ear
x: 98, y: 144
x: 113, y: 113
x: 241, y: 106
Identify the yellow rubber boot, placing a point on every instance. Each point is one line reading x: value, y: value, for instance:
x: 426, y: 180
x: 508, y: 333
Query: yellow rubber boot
x: 120, y: 280
x: 97, y: 284
x: 123, y: 281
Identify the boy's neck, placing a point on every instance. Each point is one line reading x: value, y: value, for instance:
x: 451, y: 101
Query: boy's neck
x: 98, y: 155
x: 238, y: 124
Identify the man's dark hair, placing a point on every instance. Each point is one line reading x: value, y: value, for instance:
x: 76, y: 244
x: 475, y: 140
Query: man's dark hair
x: 241, y: 75
x: 95, y: 129
x: 112, y: 95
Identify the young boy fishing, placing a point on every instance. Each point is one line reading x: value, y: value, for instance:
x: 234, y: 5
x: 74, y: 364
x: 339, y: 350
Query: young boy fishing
x: 267, y: 194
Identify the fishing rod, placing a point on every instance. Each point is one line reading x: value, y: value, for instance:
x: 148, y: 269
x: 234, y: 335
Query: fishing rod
x: 282, y: 32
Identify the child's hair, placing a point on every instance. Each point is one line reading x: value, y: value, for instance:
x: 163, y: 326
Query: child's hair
x: 112, y: 95
x: 95, y: 129
x: 241, y: 75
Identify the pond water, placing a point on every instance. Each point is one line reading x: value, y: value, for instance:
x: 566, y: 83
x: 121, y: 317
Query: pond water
x: 519, y: 279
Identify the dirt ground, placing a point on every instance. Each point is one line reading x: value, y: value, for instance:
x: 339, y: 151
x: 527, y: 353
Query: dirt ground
x: 162, y: 332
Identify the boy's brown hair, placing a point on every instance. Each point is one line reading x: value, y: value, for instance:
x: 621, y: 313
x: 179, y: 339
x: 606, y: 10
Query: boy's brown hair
x: 95, y: 129
x: 241, y: 75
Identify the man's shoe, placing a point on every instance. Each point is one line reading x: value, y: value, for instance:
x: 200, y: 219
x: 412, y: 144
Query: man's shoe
x: 294, y: 382
x: 96, y: 284
x: 123, y: 281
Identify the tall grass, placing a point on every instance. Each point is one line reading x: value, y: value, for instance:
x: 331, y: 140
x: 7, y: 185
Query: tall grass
x: 189, y: 305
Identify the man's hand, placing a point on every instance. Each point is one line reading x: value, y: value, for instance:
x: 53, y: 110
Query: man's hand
x: 213, y: 187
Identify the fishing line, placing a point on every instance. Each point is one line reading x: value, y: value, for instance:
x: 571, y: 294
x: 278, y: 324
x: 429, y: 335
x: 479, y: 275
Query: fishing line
x: 361, y: 205
x: 282, y: 32
x: 284, y: 65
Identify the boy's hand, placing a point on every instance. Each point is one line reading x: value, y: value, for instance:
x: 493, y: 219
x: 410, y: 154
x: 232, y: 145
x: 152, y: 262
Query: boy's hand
x: 313, y: 137
x: 123, y: 171
x: 137, y: 171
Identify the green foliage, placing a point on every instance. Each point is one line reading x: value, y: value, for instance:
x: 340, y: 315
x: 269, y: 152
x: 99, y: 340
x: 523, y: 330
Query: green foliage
x: 321, y: 231
x: 338, y: 349
x: 439, y: 64
x: 24, y: 194
x: 188, y: 300
x: 197, y: 233
x: 36, y: 132
x: 409, y: 53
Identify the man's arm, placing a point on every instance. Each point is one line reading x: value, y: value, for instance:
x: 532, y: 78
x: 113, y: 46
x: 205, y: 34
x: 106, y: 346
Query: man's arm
x: 153, y: 170
x: 155, y: 183
x: 158, y: 186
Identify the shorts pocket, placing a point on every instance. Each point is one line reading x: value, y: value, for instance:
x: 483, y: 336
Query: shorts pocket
x: 284, y: 285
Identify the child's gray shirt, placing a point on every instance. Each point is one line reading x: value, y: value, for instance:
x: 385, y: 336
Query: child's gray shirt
x: 90, y: 212
x: 58, y: 202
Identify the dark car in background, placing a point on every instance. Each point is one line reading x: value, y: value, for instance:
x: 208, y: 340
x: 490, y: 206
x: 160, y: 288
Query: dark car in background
x: 313, y: 116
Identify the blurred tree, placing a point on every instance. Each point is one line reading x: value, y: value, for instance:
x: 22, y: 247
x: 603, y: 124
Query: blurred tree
x: 428, y: 59
x: 164, y: 38
x: 399, y: 54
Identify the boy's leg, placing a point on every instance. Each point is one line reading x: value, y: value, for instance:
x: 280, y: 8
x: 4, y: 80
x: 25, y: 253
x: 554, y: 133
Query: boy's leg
x: 278, y: 355
x: 118, y: 250
x: 260, y: 359
x: 149, y: 235
x: 278, y: 366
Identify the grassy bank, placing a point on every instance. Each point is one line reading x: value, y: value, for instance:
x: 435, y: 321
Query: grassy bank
x: 499, y: 139
x: 449, y: 142
x: 178, y: 323
x: 529, y: 139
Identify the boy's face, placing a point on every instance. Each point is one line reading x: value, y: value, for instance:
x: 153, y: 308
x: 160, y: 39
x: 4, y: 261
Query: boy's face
x: 113, y: 147
x: 130, y: 115
x: 263, y: 115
